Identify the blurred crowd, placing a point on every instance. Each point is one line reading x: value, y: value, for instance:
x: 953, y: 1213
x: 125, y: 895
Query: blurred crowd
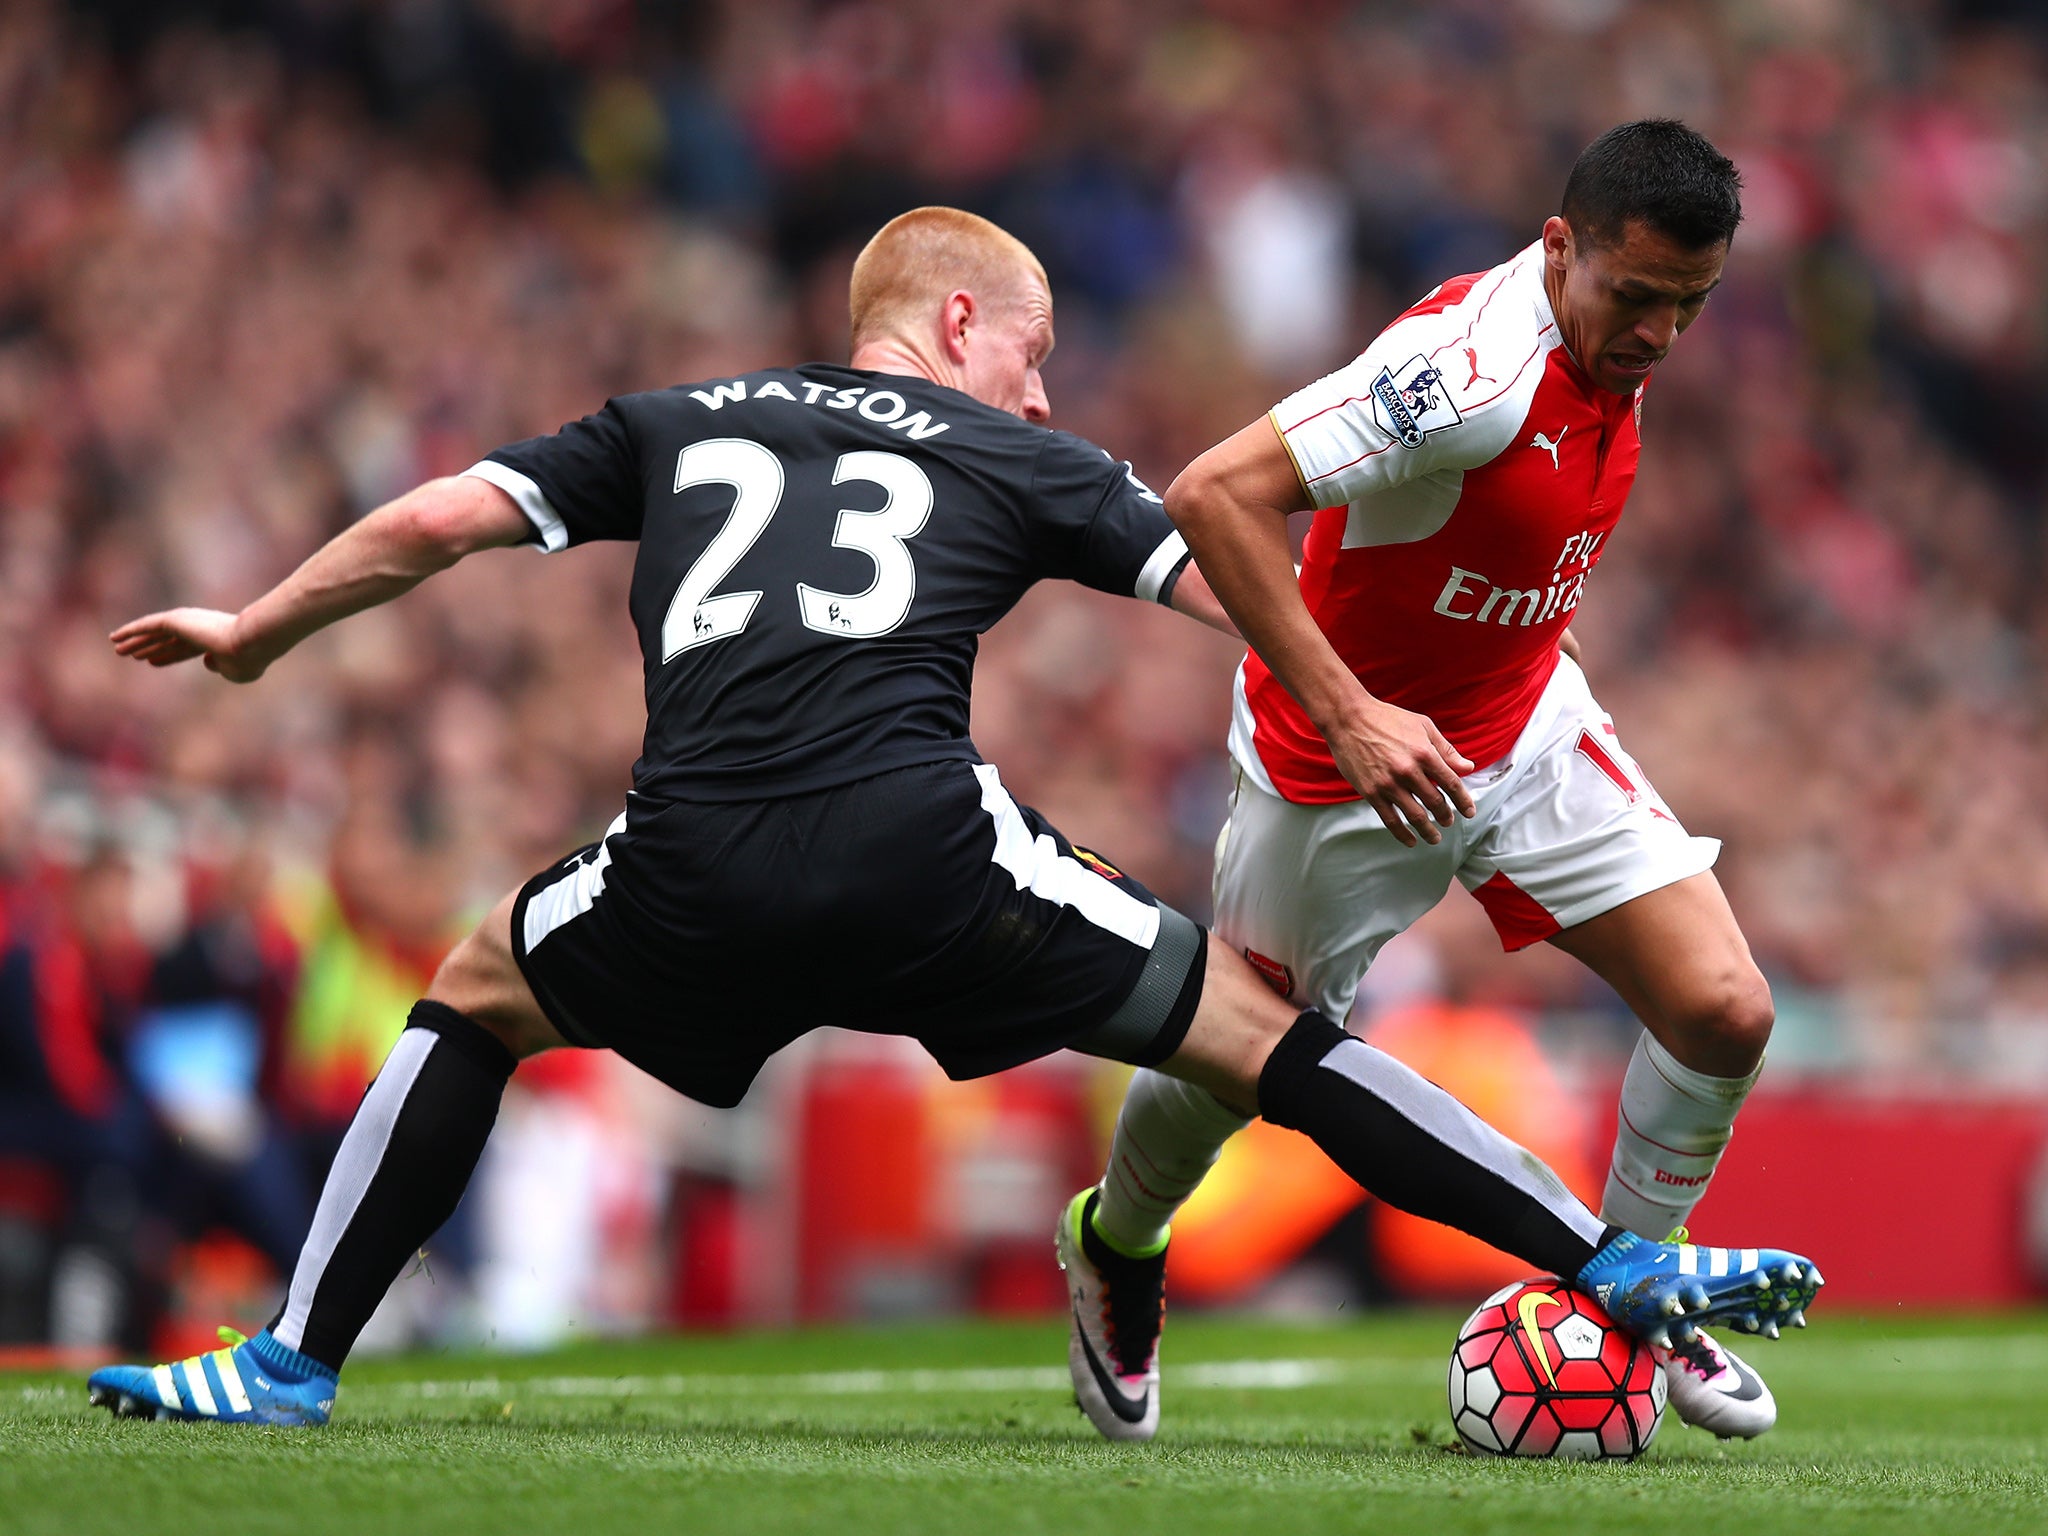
x: 266, y: 263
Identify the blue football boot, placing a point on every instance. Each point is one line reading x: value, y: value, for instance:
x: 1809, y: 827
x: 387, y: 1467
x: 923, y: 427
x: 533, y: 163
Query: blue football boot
x: 252, y: 1381
x: 1662, y: 1291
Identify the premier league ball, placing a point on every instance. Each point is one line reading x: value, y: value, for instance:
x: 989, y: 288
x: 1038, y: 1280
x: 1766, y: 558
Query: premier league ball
x: 1541, y: 1370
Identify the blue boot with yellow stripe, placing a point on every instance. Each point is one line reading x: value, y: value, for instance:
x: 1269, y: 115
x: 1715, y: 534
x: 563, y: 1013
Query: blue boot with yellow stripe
x: 250, y: 1381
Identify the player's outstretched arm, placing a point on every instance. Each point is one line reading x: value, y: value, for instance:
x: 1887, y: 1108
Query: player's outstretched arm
x: 1193, y: 596
x: 383, y: 556
x: 1232, y: 505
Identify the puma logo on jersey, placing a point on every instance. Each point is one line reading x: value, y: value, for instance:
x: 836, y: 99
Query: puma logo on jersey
x: 1549, y: 445
x: 1472, y: 357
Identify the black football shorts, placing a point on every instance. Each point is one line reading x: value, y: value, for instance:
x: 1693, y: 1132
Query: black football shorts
x: 698, y: 938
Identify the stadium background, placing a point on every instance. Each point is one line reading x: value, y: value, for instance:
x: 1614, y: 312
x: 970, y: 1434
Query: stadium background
x: 265, y: 263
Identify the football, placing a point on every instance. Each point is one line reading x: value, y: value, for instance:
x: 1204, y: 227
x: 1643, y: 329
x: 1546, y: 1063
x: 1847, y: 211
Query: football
x: 1541, y: 1370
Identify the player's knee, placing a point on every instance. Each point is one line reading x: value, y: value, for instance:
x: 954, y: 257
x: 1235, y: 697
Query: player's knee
x: 1747, y: 1014
x: 480, y: 980
x: 1233, y: 1033
x: 1730, y: 1023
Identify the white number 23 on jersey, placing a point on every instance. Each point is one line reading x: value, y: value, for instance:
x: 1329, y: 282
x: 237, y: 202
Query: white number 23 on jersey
x: 697, y: 617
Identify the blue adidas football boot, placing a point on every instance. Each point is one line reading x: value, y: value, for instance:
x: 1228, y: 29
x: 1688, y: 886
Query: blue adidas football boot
x: 252, y: 1381
x: 1662, y: 1291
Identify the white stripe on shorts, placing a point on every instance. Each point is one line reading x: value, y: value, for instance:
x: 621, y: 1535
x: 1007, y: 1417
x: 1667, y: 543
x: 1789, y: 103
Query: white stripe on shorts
x: 573, y: 894
x: 1037, y: 865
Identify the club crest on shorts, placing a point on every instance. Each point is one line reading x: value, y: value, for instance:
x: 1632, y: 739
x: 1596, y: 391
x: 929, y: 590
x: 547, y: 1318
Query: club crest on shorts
x: 1099, y: 864
x: 1272, y: 972
x: 1412, y: 401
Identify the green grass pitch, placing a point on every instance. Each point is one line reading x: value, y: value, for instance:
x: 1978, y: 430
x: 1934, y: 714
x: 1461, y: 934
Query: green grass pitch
x: 1270, y: 1429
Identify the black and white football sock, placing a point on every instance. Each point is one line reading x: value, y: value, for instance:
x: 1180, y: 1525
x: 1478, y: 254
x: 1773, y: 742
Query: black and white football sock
x: 1671, y: 1128
x: 403, y: 1165
x: 1414, y: 1146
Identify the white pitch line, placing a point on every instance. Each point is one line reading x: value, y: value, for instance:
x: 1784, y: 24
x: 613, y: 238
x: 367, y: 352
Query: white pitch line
x: 1237, y: 1375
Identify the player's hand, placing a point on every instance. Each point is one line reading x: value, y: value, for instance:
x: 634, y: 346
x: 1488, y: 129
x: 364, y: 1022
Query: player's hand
x: 181, y: 634
x: 1405, y: 770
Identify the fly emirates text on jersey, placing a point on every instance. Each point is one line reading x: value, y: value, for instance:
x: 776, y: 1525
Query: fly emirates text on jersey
x: 1470, y: 595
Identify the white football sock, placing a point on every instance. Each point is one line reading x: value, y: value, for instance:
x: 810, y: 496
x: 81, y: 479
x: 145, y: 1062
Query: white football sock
x: 1674, y: 1125
x: 1168, y: 1134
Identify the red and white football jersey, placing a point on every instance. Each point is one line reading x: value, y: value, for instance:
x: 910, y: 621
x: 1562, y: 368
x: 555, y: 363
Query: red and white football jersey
x: 1469, y: 473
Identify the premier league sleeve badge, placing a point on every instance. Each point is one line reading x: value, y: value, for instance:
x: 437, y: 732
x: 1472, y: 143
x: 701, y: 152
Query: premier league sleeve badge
x: 1412, y: 401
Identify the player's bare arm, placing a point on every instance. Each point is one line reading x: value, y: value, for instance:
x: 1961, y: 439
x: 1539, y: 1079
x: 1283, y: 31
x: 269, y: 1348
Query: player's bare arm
x: 1232, y: 506
x: 1193, y: 596
x: 383, y: 556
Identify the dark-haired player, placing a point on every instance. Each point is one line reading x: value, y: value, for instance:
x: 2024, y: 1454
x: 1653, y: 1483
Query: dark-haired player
x: 811, y: 836
x: 1470, y: 467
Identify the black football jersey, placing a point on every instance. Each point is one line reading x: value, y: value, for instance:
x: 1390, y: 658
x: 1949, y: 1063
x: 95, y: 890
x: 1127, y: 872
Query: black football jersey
x: 820, y: 549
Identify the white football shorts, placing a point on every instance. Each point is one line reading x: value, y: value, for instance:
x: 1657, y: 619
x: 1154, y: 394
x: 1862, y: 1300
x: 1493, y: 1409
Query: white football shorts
x: 1567, y: 828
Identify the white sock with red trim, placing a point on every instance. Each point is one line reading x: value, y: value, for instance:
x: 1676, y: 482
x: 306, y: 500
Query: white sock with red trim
x: 1168, y: 1134
x: 1674, y: 1125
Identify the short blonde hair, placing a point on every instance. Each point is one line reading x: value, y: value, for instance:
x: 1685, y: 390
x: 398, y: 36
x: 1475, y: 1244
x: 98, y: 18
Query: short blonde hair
x: 918, y: 258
